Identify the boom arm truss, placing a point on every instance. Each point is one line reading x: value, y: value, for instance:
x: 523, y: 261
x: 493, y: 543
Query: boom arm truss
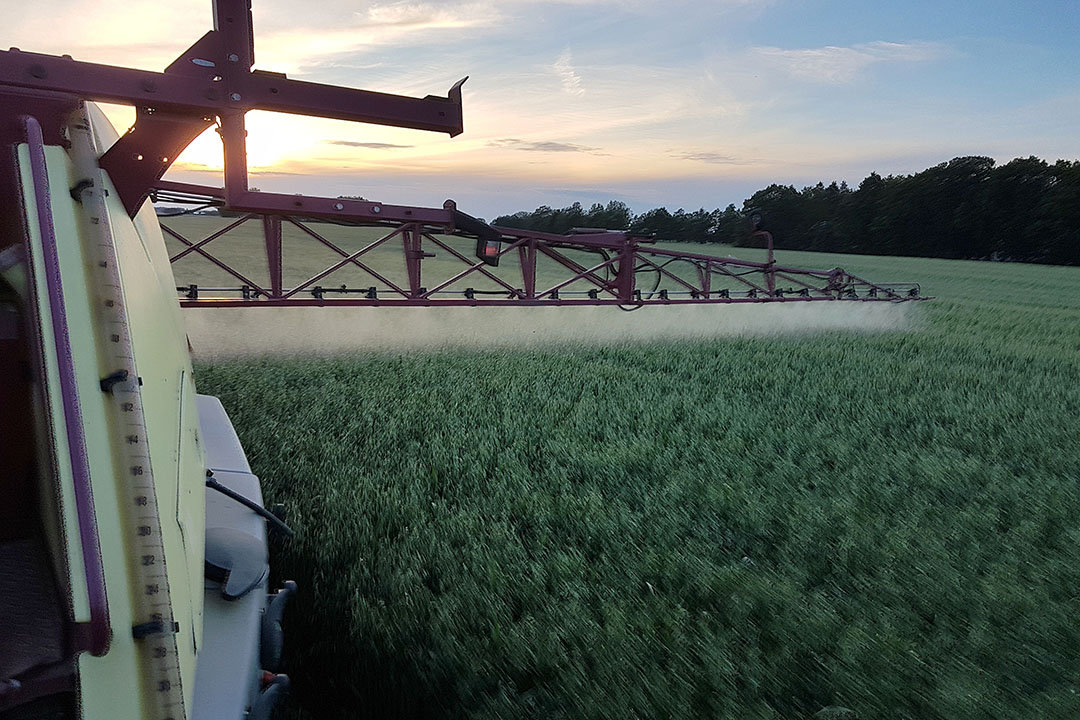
x: 586, y: 267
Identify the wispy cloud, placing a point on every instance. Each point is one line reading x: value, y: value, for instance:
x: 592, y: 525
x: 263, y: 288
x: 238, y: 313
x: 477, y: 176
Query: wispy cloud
x: 708, y: 157
x: 599, y: 192
x: 564, y: 68
x: 905, y: 52
x: 415, y: 16
x: 144, y: 35
x: 369, y: 145
x: 195, y: 167
x: 382, y: 25
x: 543, y: 146
x: 150, y: 35
x: 832, y: 64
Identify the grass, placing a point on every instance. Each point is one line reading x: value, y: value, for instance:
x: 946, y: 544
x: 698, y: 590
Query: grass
x: 743, y: 528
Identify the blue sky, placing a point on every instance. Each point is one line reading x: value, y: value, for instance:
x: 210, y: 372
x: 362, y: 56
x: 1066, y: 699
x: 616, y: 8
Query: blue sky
x: 683, y: 104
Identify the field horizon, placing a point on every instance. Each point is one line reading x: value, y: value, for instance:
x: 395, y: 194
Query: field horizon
x: 754, y: 527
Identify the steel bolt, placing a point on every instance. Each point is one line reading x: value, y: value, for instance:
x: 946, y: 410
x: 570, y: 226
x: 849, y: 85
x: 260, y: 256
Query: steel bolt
x: 235, y: 96
x: 339, y: 206
x: 233, y: 57
x: 376, y: 209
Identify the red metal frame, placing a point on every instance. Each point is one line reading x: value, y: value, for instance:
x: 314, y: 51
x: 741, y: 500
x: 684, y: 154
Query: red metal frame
x: 628, y: 270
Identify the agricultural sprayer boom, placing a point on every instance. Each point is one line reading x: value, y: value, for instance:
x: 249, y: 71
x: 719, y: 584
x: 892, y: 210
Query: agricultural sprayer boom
x: 509, y: 267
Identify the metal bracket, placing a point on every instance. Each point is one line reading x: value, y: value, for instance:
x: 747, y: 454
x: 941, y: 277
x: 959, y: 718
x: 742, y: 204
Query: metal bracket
x: 142, y: 155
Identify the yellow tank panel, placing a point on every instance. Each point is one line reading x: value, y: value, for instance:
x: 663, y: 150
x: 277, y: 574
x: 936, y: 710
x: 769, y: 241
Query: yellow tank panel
x: 108, y: 684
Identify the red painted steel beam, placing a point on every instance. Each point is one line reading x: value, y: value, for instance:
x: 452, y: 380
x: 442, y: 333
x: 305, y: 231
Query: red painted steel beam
x: 360, y: 211
x: 607, y: 241
x: 346, y: 210
x: 208, y: 191
x: 527, y: 261
x: 272, y: 241
x: 142, y: 155
x: 368, y: 212
x: 200, y: 94
x: 507, y: 302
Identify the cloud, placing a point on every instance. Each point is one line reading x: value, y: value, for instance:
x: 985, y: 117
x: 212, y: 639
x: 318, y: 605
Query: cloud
x: 427, y: 15
x: 342, y: 34
x: 542, y: 146
x: 708, y: 157
x: 143, y: 35
x: 369, y: 145
x: 577, y: 193
x: 905, y: 52
x: 151, y: 35
x: 195, y: 167
x: 838, y: 65
x: 571, y: 81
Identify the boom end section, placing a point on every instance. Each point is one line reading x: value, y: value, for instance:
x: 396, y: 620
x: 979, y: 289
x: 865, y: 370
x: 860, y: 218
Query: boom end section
x: 453, y: 96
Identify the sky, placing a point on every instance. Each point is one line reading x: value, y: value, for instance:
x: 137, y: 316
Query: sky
x: 680, y: 104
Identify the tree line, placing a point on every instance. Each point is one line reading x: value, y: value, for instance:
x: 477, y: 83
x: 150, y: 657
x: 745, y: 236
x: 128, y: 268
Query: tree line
x: 1023, y: 211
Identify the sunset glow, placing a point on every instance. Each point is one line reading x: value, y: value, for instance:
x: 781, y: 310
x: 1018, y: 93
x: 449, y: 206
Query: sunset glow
x: 684, y: 104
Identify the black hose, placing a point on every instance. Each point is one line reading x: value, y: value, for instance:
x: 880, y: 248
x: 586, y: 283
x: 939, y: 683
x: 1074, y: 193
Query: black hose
x: 189, y: 211
x: 659, y: 275
x: 274, y: 520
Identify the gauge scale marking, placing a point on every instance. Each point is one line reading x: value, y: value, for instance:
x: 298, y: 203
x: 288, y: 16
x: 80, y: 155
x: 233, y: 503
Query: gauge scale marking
x: 154, y: 629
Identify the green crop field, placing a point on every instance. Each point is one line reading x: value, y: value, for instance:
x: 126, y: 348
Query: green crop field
x: 779, y: 527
